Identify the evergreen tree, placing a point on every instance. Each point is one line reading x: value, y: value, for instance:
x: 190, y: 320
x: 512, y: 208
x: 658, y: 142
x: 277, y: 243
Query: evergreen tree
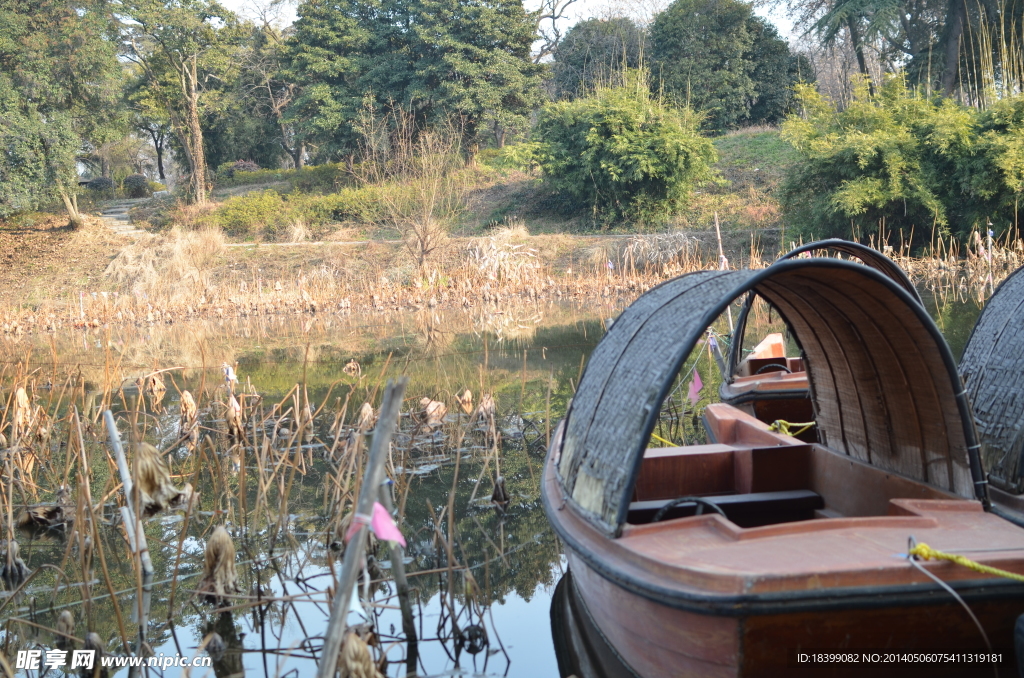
x: 699, y: 51
x: 431, y: 58
x: 776, y: 70
x: 592, y: 52
x: 59, y: 91
x: 721, y: 59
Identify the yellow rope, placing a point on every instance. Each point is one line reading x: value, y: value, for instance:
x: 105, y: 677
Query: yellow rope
x: 662, y: 440
x: 785, y: 427
x: 928, y: 553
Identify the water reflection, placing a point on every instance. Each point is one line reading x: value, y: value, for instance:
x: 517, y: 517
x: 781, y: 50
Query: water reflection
x: 481, y: 559
x: 476, y: 566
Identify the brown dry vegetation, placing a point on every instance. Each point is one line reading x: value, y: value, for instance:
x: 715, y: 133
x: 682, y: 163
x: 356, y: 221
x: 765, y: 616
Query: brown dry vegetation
x: 56, y: 277
x: 43, y: 259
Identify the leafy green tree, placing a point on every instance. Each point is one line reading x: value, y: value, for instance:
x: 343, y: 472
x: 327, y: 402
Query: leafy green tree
x: 59, y: 91
x: 699, y: 54
x: 149, y: 119
x: 623, y: 153
x: 721, y: 59
x: 776, y: 70
x: 895, y: 161
x: 592, y: 52
x: 432, y: 58
x: 184, y: 47
x: 323, y: 59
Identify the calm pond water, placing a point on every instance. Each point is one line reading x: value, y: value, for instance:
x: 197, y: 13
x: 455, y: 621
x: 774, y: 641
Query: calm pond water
x: 279, y: 496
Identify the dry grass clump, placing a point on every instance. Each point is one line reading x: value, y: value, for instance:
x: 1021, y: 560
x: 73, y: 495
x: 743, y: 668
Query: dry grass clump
x: 153, y: 483
x: 655, y: 251
x: 182, y: 256
x: 220, y: 579
x: 500, y: 258
x: 974, y: 269
x: 298, y: 231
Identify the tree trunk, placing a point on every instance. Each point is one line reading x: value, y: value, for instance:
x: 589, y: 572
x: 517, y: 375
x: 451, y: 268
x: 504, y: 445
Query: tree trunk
x: 858, y: 48
x: 955, y: 25
x: 71, y: 205
x: 195, y: 136
x: 294, y: 152
x: 158, y: 146
x: 160, y: 162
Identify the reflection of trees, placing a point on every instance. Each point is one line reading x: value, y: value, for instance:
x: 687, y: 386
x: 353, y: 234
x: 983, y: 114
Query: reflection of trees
x: 508, y: 553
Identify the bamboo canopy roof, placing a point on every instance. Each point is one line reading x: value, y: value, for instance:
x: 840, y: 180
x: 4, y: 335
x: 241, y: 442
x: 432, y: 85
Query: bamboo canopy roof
x: 993, y: 370
x: 884, y: 385
x: 866, y: 255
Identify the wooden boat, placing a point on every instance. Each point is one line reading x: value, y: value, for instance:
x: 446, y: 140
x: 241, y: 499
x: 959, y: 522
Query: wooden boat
x: 735, y: 558
x: 993, y: 371
x: 767, y: 383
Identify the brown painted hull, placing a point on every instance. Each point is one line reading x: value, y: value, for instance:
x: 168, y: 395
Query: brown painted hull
x: 701, y: 596
x: 658, y: 641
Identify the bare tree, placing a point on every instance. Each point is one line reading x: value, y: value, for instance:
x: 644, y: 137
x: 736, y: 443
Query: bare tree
x: 270, y: 95
x: 420, y: 176
x: 549, y: 15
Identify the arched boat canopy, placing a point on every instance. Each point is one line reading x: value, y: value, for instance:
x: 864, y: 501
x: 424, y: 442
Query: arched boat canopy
x: 867, y: 256
x: 884, y: 385
x: 993, y: 372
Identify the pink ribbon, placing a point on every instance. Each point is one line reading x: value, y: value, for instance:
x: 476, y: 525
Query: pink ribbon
x: 381, y: 522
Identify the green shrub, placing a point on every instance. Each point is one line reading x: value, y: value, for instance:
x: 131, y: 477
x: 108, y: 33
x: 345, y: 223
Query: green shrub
x: 313, y: 179
x: 523, y: 156
x: 100, y: 184
x: 902, y: 161
x: 623, y: 154
x: 155, y: 186
x: 352, y: 204
x: 136, y: 186
x: 267, y: 213
x: 320, y: 178
x: 245, y: 216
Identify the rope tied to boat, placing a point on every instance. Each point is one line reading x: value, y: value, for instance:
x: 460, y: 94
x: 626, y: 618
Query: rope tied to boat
x: 926, y: 552
x: 915, y: 551
x: 786, y: 428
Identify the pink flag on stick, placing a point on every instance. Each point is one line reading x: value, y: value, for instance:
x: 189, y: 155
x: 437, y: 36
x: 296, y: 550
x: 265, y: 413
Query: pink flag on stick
x: 695, y: 386
x: 383, y: 525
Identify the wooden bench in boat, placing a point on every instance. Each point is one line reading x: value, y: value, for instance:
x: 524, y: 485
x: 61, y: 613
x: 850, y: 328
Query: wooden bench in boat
x: 752, y: 509
x: 759, y: 477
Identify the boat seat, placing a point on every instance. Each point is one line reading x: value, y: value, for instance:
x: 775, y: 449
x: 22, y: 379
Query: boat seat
x: 746, y: 510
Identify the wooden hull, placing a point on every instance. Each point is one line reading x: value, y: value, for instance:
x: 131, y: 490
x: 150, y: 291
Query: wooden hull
x: 703, y: 597
x: 658, y: 641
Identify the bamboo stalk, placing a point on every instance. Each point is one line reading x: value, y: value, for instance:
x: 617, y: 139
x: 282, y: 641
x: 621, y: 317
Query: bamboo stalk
x: 355, y: 550
x: 132, y: 526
